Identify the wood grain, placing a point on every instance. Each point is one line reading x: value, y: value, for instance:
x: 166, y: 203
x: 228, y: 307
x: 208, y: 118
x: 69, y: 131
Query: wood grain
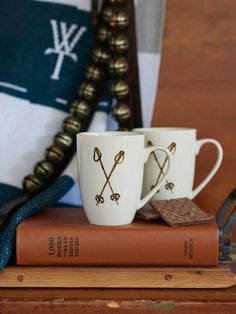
x: 118, y: 277
x: 226, y: 295
x: 120, y: 307
x: 197, y: 85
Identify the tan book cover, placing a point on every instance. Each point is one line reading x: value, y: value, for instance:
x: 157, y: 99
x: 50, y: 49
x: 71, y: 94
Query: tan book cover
x: 63, y: 236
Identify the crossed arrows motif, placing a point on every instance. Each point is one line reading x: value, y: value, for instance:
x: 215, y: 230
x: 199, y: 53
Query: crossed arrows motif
x: 172, y: 149
x: 119, y: 158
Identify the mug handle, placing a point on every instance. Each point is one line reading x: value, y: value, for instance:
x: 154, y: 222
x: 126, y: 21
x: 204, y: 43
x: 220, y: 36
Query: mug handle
x: 147, y: 152
x: 200, y: 143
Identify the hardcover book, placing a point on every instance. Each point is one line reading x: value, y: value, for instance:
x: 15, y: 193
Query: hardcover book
x: 63, y: 236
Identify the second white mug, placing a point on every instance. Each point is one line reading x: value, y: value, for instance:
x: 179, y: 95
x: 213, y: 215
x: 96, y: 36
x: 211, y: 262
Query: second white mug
x: 184, y: 147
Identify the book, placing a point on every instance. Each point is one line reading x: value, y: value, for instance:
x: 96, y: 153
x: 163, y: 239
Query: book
x: 63, y: 236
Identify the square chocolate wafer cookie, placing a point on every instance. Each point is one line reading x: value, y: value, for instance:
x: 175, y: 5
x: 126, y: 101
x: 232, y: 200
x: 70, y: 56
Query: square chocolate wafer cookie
x: 181, y: 212
x: 147, y: 214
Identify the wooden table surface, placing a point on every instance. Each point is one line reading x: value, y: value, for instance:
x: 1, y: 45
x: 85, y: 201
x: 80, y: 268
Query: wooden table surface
x: 85, y: 301
x: 196, y: 89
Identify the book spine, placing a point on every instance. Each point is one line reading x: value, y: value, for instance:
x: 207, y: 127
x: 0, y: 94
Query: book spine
x: 170, y: 247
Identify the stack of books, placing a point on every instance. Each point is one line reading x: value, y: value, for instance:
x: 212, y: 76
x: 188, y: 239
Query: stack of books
x: 63, y: 236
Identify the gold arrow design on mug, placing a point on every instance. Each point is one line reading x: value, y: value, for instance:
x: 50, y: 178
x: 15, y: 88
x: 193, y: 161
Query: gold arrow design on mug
x: 172, y: 149
x: 119, y: 158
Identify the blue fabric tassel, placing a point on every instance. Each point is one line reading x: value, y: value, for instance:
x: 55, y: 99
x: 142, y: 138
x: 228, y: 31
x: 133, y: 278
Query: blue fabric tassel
x: 43, y: 200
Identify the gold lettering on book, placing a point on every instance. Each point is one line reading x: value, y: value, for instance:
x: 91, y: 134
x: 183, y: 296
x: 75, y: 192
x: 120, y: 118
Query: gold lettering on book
x: 188, y: 248
x: 59, y: 246
x: 119, y: 158
x: 76, y: 246
x: 51, y: 246
x: 66, y: 246
x: 71, y: 247
x: 191, y: 248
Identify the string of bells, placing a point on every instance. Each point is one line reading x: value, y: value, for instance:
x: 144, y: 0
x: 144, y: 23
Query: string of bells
x: 109, y: 55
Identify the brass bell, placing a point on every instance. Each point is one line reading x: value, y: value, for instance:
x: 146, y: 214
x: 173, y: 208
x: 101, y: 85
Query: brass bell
x: 94, y: 73
x: 117, y: 2
x: 72, y: 125
x: 107, y: 14
x: 44, y: 169
x: 54, y: 154
x: 103, y: 34
x: 119, y: 43
x: 32, y: 184
x: 118, y: 66
x: 120, y: 20
x: 121, y: 112
x: 101, y: 55
x: 80, y: 108
x: 119, y: 89
x: 87, y: 90
x: 116, y: 20
x: 63, y: 140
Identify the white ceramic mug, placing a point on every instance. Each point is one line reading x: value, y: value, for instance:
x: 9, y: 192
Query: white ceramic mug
x: 110, y: 166
x: 184, y: 147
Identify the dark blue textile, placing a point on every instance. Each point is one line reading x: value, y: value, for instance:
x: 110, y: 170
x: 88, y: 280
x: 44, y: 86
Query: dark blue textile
x: 43, y: 200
